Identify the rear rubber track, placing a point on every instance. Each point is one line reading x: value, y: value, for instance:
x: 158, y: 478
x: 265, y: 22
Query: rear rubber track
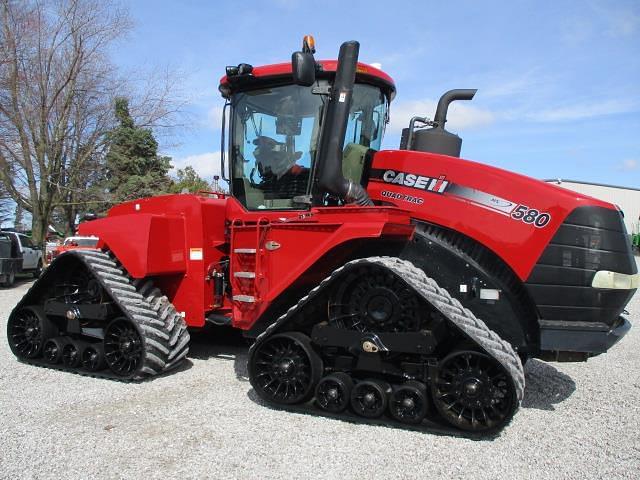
x: 162, y: 329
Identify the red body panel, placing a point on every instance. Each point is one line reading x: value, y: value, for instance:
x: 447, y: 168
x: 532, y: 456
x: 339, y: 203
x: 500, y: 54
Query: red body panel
x: 180, y: 239
x: 477, y: 200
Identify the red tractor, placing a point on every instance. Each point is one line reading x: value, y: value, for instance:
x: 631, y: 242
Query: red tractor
x: 405, y: 283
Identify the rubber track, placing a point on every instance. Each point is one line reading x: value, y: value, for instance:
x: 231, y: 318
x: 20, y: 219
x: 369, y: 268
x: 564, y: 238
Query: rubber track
x: 163, y: 330
x: 471, y: 326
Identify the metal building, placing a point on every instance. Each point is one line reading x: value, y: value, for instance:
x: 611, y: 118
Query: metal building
x: 627, y: 198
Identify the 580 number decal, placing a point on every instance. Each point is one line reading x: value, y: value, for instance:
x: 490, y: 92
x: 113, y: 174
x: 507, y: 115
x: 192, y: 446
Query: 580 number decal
x: 530, y: 216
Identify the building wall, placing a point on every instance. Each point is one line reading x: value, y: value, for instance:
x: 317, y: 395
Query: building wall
x: 626, y: 198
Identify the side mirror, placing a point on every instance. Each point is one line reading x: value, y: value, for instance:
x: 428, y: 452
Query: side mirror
x: 303, y: 67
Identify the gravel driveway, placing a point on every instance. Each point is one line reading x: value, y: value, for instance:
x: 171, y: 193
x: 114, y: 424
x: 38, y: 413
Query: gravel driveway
x: 577, y: 421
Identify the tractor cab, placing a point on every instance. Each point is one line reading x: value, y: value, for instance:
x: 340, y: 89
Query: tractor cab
x: 278, y: 118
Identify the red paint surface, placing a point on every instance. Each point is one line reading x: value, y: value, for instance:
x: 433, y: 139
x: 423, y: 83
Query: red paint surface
x: 517, y: 243
x: 157, y: 237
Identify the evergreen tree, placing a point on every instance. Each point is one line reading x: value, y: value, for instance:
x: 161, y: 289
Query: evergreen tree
x: 134, y: 168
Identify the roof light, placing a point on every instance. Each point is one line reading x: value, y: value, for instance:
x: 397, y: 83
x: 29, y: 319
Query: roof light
x: 615, y: 280
x: 309, y: 44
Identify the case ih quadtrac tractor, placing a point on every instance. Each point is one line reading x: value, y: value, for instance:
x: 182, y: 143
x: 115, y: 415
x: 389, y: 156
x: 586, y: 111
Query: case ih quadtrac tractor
x: 401, y: 284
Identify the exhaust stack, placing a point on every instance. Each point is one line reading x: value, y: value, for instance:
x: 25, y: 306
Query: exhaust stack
x: 330, y: 176
x: 436, y: 139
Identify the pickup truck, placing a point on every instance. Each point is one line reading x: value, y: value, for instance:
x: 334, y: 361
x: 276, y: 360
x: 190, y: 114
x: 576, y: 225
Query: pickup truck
x: 18, y: 254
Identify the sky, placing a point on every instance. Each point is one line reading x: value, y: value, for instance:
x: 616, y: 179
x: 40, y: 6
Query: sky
x: 558, y: 81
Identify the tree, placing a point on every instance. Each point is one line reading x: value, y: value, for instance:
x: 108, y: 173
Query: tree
x: 5, y: 205
x: 57, y: 88
x: 134, y: 168
x: 53, y: 65
x: 188, y: 180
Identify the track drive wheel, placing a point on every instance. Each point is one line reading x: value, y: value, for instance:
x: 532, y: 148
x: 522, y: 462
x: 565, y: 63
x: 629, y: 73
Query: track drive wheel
x: 333, y: 392
x: 409, y: 402
x: 123, y: 347
x: 473, y: 392
x: 285, y: 369
x: 369, y: 398
x: 27, y: 331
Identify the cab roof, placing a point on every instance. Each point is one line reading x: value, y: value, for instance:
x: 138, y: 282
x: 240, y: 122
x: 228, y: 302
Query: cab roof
x: 281, y: 72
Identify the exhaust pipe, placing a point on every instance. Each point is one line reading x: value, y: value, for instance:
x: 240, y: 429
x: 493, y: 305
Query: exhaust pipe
x: 436, y: 139
x: 330, y: 177
x: 446, y: 99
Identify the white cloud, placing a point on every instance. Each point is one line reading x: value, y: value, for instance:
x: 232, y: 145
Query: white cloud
x: 206, y: 164
x: 584, y: 110
x: 460, y: 115
x: 629, y: 165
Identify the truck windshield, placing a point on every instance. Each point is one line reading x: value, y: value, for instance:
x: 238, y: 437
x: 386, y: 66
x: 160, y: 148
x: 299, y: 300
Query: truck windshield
x: 275, y: 134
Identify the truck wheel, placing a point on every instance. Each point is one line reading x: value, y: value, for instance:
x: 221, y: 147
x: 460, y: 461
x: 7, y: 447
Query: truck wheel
x: 10, y: 279
x: 38, y: 271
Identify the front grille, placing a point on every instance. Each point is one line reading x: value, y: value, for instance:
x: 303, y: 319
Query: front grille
x: 590, y: 239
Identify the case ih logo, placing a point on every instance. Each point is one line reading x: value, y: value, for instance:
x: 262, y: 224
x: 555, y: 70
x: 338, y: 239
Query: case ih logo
x: 420, y: 182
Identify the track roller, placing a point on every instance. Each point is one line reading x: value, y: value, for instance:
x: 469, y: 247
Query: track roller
x: 92, y: 357
x: 71, y: 354
x: 409, y: 402
x: 473, y: 392
x: 369, y: 398
x: 52, y: 350
x: 27, y: 330
x: 333, y: 392
x: 285, y: 369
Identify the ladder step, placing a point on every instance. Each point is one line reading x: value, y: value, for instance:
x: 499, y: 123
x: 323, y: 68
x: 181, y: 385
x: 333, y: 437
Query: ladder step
x: 244, y: 274
x: 244, y: 250
x: 244, y: 298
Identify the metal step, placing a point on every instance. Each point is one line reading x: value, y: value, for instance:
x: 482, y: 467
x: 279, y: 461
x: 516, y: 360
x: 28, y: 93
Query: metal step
x: 248, y: 251
x: 244, y: 298
x: 244, y: 274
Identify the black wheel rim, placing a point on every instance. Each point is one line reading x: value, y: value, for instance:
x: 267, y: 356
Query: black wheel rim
x: 333, y: 394
x: 473, y: 392
x: 368, y: 399
x: 91, y: 358
x: 408, y: 404
x: 283, y: 370
x: 70, y: 355
x: 123, y: 348
x: 372, y: 299
x: 51, y: 351
x: 25, y: 333
x: 80, y: 287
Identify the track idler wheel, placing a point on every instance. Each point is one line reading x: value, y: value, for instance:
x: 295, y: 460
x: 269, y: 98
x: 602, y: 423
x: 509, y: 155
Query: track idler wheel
x: 409, y: 403
x: 92, y: 357
x: 473, y: 392
x: 27, y: 331
x: 71, y: 354
x: 369, y: 398
x: 52, y: 350
x: 333, y: 392
x: 123, y: 347
x: 285, y: 368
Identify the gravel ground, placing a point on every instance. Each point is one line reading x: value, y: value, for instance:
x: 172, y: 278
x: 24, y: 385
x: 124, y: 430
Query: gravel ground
x: 577, y: 421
